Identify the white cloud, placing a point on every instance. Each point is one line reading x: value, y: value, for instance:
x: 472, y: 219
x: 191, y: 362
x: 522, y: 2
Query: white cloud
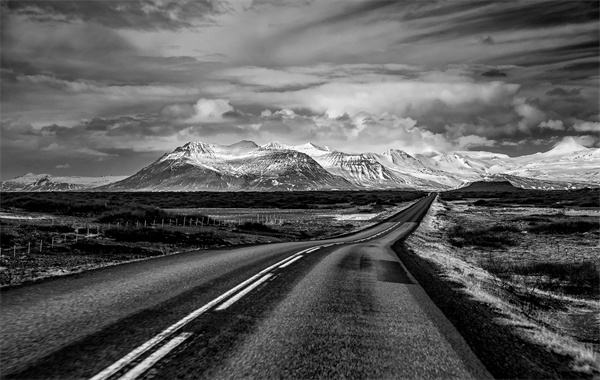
x: 205, y: 110
x: 91, y: 152
x: 265, y: 77
x: 418, y: 97
x: 587, y: 126
x: 530, y: 116
x: 473, y: 140
x: 556, y: 125
x: 211, y: 109
x: 65, y: 166
x: 588, y: 140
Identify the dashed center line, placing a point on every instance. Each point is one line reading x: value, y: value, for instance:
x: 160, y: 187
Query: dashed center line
x: 247, y: 290
x: 139, y: 369
x: 290, y: 262
x: 236, y: 293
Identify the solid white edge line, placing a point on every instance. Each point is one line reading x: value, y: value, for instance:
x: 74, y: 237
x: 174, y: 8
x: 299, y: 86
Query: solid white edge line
x: 139, y: 369
x: 290, y: 262
x: 247, y: 290
x: 140, y: 350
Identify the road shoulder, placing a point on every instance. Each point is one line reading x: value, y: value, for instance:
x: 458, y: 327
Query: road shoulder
x: 504, y: 354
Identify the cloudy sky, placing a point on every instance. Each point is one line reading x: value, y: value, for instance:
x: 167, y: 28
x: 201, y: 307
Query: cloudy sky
x: 106, y: 87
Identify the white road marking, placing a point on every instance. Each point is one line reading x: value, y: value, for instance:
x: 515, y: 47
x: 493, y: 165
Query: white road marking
x: 139, y: 369
x: 139, y: 351
x: 148, y: 345
x: 290, y: 262
x: 248, y: 289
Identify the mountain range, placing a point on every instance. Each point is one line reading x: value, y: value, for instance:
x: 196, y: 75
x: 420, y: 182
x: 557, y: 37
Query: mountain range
x: 199, y: 166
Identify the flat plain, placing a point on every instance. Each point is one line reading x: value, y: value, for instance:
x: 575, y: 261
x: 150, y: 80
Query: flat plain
x: 535, y: 265
x: 50, y: 234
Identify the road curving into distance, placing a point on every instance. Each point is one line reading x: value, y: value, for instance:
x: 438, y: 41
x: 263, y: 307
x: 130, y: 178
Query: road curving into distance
x: 342, y: 307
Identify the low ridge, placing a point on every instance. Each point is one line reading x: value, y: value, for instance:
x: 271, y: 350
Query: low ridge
x: 495, y: 186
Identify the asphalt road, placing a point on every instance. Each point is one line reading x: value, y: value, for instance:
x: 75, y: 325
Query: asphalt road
x: 342, y: 307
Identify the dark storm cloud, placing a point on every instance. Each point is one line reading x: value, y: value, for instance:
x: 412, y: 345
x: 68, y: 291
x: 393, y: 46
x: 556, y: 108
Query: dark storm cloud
x: 487, y: 40
x: 558, y: 91
x: 505, y: 15
x: 493, y: 73
x: 91, y: 52
x: 354, y: 12
x: 131, y: 14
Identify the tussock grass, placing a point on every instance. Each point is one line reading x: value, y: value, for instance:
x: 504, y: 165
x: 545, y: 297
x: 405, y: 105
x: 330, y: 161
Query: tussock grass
x: 95, y: 203
x: 534, y: 290
x: 254, y: 226
x: 62, y: 205
x: 566, y: 227
x: 575, y: 278
x: 543, y: 198
x: 498, y: 236
x: 162, y: 236
x: 132, y: 213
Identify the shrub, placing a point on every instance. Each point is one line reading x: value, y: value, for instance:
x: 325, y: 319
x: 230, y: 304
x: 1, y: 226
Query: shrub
x: 58, y: 228
x: 566, y: 227
x: 7, y: 239
x: 254, y: 226
x: 132, y: 213
x: 153, y: 235
x: 573, y: 277
x: 61, y: 205
x: 585, y: 273
x: 495, y: 237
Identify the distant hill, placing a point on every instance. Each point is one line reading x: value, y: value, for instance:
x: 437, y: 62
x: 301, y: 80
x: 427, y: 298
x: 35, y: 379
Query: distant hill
x: 496, y: 186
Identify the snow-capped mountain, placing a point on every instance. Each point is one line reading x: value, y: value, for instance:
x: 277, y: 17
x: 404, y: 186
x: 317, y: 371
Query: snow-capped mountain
x: 46, y: 182
x: 369, y: 170
x: 241, y: 166
x: 276, y: 166
x: 568, y: 161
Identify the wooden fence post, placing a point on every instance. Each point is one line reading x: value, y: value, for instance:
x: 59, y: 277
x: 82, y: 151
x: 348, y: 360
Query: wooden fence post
x: 41, y: 242
x: 28, y: 248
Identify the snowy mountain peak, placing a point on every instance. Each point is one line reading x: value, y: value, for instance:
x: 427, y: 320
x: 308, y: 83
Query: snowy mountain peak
x: 309, y: 146
x: 29, y: 178
x: 244, y: 146
x: 196, y: 147
x: 566, y: 146
x: 275, y: 145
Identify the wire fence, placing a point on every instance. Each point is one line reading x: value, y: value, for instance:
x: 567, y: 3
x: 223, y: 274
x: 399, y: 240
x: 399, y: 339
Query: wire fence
x: 81, y: 231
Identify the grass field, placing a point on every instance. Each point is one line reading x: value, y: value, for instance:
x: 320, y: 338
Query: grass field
x: 538, y: 266
x: 80, y: 236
